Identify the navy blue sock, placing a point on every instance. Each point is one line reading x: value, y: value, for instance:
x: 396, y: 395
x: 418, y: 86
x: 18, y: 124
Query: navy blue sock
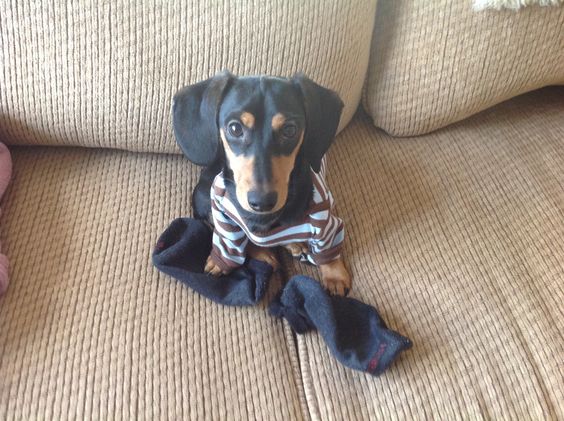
x: 354, y: 332
x: 182, y: 251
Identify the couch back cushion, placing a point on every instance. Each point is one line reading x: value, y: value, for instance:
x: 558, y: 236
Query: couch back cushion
x: 436, y: 62
x: 102, y: 74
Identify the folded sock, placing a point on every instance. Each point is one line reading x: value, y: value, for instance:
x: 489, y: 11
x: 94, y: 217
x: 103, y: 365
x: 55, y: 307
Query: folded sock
x: 182, y: 251
x: 353, y: 331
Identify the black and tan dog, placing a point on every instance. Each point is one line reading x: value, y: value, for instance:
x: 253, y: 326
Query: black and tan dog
x: 262, y: 141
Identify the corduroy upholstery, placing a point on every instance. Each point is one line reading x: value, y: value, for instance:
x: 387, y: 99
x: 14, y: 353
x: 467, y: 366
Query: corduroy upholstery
x: 456, y: 237
x: 436, y: 62
x: 90, y: 330
x: 103, y: 74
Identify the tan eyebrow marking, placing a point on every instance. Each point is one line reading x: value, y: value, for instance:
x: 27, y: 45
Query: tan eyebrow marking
x: 248, y: 119
x: 278, y: 121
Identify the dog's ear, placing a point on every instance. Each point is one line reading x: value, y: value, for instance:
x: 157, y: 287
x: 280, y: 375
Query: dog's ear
x: 323, y: 111
x: 194, y: 118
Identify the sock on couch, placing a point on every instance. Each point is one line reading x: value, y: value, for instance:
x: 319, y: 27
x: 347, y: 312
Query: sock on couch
x: 353, y: 331
x: 181, y: 252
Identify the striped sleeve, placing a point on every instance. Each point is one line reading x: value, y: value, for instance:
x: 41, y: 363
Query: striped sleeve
x: 329, y: 231
x: 229, y: 240
x: 327, y: 243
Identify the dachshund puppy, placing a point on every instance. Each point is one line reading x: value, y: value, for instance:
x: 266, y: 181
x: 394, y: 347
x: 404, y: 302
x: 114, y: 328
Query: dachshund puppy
x: 262, y: 140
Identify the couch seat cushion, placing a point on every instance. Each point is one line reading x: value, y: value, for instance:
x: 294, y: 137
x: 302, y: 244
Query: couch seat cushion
x: 90, y: 330
x: 458, y: 238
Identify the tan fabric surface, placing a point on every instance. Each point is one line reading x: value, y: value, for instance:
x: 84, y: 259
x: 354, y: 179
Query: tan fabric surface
x: 89, y: 330
x: 104, y: 73
x: 436, y: 62
x: 458, y: 239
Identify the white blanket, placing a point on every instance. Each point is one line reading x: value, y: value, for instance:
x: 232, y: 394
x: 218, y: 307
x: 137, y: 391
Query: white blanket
x: 513, y: 4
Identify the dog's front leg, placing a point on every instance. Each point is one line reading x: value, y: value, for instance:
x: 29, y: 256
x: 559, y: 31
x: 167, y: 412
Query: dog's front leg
x: 264, y: 254
x: 335, y: 277
x: 297, y: 250
x: 213, y: 268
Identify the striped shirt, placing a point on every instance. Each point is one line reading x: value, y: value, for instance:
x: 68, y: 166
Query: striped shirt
x: 320, y: 228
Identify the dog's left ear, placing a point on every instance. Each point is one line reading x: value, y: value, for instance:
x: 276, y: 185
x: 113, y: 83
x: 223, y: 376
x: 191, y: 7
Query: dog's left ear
x: 323, y: 111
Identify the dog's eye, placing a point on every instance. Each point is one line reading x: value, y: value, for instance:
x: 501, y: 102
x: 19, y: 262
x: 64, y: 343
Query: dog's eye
x: 289, y: 131
x: 235, y: 129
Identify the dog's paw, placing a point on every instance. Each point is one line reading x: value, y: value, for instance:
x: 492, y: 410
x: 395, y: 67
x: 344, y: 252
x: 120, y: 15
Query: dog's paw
x: 212, y: 268
x: 263, y: 254
x: 336, y: 278
x: 297, y: 250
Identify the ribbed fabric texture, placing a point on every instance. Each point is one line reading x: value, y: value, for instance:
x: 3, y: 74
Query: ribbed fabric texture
x: 90, y: 330
x: 104, y: 73
x: 458, y: 239
x: 436, y: 62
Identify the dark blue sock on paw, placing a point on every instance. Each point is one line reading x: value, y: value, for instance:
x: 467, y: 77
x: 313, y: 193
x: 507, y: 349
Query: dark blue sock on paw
x: 354, y: 332
x: 182, y: 251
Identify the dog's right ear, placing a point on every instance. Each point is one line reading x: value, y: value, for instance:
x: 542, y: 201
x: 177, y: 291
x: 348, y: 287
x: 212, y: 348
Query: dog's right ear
x: 194, y: 118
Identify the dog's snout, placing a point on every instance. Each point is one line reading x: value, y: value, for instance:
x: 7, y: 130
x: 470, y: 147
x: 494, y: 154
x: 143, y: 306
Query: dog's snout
x: 262, y: 201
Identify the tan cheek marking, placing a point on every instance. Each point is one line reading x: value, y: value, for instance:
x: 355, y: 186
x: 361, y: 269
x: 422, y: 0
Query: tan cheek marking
x: 248, y: 120
x: 242, y: 168
x: 282, y: 167
x: 278, y: 121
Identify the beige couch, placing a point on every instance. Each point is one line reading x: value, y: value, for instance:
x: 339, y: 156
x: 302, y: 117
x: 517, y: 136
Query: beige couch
x: 457, y: 236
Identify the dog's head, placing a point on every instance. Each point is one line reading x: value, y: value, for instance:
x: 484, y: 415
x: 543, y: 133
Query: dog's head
x: 261, y: 124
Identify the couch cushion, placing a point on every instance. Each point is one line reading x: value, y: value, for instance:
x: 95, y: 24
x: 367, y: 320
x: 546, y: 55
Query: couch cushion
x: 458, y: 238
x: 436, y: 62
x: 90, y: 330
x: 83, y: 73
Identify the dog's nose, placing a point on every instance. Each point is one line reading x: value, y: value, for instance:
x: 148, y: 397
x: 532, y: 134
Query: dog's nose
x: 262, y: 202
